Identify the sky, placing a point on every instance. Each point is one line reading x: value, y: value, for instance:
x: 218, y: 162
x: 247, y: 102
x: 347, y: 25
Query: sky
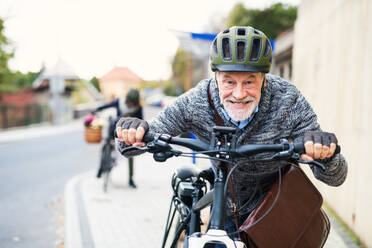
x: 94, y: 36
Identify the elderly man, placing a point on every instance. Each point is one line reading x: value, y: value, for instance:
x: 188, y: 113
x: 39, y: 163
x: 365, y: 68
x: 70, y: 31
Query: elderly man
x: 264, y: 108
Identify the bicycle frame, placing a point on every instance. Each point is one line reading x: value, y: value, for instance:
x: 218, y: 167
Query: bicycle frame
x: 216, y: 234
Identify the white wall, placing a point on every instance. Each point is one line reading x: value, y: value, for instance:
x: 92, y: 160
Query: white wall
x: 332, y: 66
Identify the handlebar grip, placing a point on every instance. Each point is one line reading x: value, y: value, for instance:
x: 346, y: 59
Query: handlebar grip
x: 300, y: 148
x: 148, y: 137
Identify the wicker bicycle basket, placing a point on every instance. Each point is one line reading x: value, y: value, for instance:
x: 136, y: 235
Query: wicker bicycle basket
x: 93, y: 135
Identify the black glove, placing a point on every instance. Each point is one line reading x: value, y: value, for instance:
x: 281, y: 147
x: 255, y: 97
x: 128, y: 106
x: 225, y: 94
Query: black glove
x: 323, y: 138
x: 131, y: 122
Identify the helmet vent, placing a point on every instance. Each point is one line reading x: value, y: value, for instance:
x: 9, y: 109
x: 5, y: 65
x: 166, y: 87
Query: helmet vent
x: 267, y: 48
x: 241, y: 31
x: 215, y: 47
x: 255, y: 50
x: 256, y: 31
x: 240, y: 51
x: 226, y: 31
x: 226, y: 53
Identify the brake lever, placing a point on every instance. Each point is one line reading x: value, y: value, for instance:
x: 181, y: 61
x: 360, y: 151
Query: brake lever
x: 151, y: 147
x: 297, y: 158
x: 313, y: 162
x: 135, y: 148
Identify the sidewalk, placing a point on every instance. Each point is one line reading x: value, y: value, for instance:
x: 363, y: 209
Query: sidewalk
x: 125, y: 217
x: 39, y: 130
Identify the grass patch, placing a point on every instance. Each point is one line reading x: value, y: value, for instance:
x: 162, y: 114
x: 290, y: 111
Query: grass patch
x: 344, y: 226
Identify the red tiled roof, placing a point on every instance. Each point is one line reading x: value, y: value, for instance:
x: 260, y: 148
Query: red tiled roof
x: 121, y: 73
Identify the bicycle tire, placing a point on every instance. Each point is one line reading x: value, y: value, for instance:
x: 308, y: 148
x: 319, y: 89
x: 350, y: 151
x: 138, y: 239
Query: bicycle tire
x: 102, y: 162
x: 179, y: 237
x: 106, y: 164
x: 106, y: 178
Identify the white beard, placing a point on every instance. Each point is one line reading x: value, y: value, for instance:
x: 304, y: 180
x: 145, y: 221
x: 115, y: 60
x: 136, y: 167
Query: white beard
x: 243, y: 114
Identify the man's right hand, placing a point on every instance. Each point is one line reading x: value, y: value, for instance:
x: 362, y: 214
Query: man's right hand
x: 131, y: 130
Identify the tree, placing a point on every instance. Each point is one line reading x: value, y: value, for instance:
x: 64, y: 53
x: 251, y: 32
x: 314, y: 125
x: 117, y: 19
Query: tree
x: 12, y: 81
x: 187, y: 69
x: 94, y: 81
x: 170, y: 89
x: 5, y: 73
x: 181, y: 64
x: 24, y: 80
x: 272, y: 20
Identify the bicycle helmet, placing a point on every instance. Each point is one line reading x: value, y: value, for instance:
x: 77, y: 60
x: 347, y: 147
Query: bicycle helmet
x: 132, y: 96
x: 241, y: 49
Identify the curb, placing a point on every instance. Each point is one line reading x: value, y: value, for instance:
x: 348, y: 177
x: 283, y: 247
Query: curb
x: 73, y: 237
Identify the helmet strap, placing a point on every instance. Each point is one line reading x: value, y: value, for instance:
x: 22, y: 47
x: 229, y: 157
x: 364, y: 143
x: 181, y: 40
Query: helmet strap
x: 263, y: 83
x: 215, y: 78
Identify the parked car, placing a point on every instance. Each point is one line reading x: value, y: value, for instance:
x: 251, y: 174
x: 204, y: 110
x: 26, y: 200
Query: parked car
x: 167, y: 100
x: 155, y: 100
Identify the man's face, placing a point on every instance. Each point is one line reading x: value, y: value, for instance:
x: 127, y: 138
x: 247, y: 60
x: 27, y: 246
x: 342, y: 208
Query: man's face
x: 240, y: 93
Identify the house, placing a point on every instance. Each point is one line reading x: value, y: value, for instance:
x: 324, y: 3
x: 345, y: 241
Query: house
x: 117, y: 82
x: 59, y: 78
x: 56, y: 84
x: 282, y: 55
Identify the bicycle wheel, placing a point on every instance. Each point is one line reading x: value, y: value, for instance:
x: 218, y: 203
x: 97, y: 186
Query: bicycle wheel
x: 106, y: 178
x: 106, y: 164
x: 179, y: 234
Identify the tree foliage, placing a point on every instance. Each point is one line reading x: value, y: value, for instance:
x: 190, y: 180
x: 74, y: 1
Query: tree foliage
x: 180, y: 69
x: 12, y: 81
x: 152, y: 84
x: 5, y: 73
x: 24, y: 80
x: 94, y: 81
x: 186, y: 71
x: 272, y: 20
x: 170, y: 89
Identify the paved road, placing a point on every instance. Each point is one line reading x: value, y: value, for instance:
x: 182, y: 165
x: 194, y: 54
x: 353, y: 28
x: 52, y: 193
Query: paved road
x: 35, y: 164
x: 33, y: 174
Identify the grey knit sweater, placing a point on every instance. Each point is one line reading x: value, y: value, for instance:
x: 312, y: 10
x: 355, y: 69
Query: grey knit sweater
x: 283, y: 113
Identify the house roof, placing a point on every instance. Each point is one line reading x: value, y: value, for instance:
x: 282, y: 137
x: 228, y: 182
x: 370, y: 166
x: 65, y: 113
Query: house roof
x: 60, y: 69
x: 121, y: 73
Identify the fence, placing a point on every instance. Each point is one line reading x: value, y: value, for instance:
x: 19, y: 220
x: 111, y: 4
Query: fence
x: 15, y: 116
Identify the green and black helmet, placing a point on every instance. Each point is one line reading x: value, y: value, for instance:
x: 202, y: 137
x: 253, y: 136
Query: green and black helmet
x: 133, y: 97
x: 241, y: 49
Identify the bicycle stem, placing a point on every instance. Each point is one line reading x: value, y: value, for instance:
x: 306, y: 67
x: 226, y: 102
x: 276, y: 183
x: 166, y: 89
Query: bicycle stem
x: 218, y: 210
x: 194, y: 216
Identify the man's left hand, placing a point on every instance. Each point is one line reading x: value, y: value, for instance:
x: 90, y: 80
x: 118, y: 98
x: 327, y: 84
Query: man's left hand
x: 319, y: 145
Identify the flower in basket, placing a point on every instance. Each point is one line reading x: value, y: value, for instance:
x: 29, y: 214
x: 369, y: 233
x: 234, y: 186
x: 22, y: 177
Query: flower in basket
x: 88, y: 121
x: 97, y: 123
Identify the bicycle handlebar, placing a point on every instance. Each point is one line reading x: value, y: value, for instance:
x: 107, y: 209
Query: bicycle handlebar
x: 200, y: 146
x: 160, y: 143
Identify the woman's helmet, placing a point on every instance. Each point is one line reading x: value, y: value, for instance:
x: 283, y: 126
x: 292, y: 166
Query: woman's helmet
x: 133, y: 97
x: 241, y: 49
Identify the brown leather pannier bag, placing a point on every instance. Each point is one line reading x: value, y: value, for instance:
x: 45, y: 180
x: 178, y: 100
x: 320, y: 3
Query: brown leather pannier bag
x: 296, y: 220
